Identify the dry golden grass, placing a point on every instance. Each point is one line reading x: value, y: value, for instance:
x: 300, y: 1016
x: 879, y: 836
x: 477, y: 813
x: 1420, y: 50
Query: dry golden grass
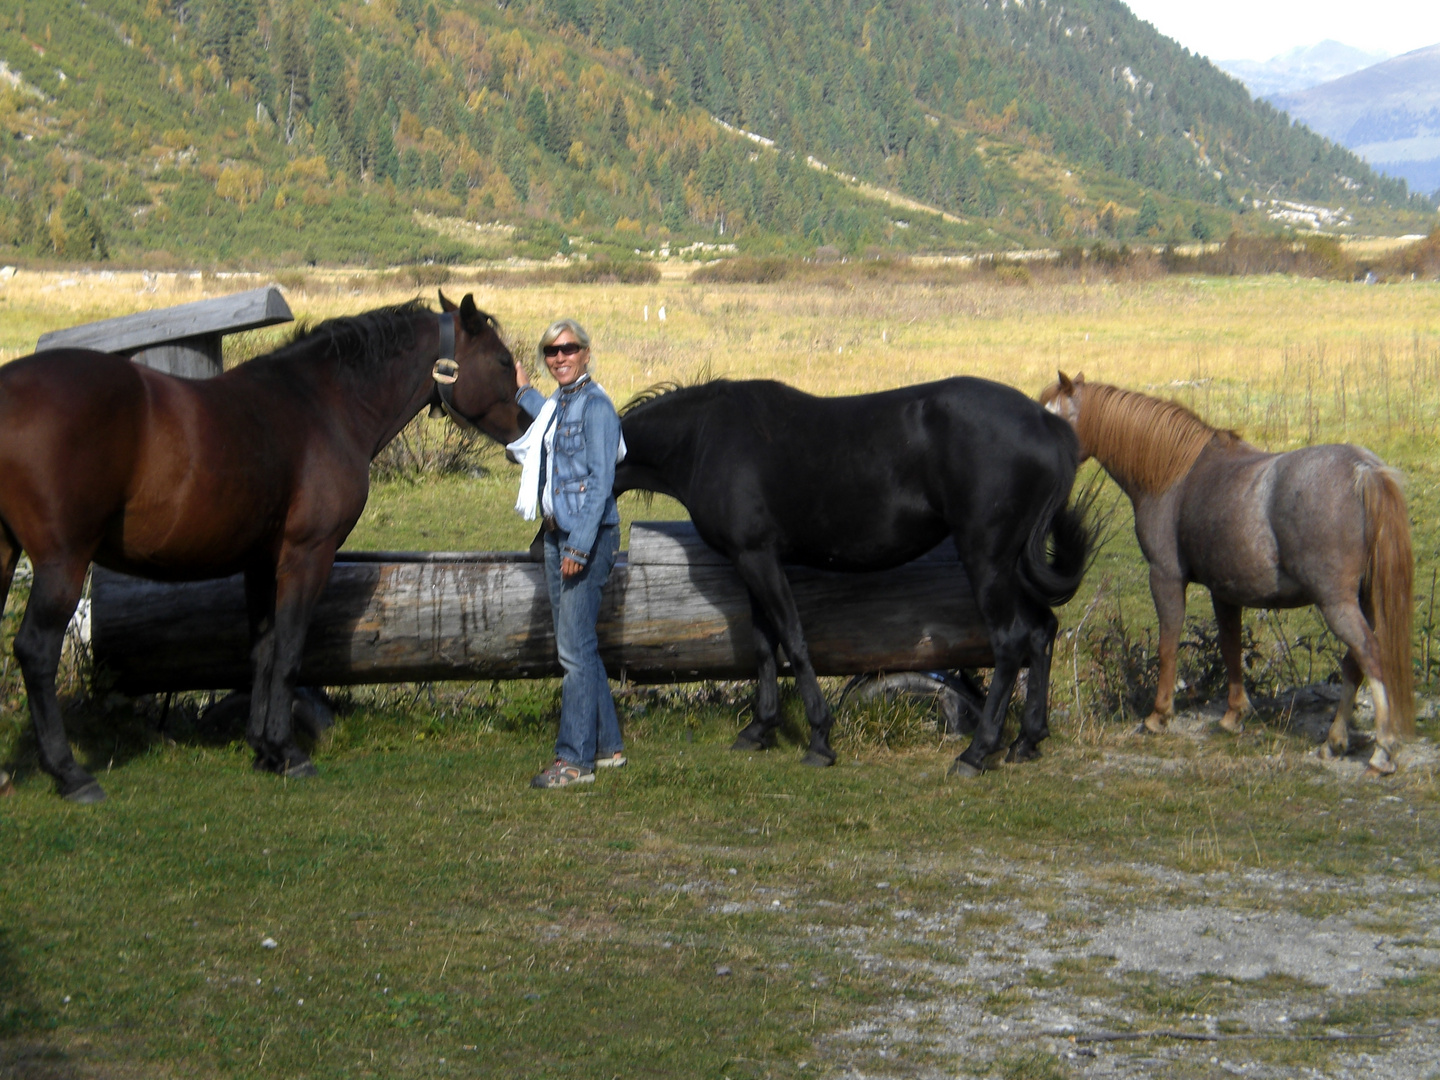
x: 1266, y: 334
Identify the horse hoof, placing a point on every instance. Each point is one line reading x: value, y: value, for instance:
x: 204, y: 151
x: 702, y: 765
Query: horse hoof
x: 1373, y: 773
x: 300, y: 770
x: 1154, y: 724
x: 963, y: 770
x: 743, y: 743
x: 1331, y: 753
x: 817, y: 760
x: 1019, y: 754
x: 87, y: 794
x: 1233, y: 724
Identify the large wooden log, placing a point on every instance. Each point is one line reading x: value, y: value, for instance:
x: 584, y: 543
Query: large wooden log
x: 180, y: 340
x: 674, y: 611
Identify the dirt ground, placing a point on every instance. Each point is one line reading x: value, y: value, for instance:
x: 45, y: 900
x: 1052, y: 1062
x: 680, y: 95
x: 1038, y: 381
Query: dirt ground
x: 1228, y: 973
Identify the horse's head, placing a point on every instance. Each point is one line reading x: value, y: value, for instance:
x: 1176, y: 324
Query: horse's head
x: 1063, y: 398
x: 478, y: 389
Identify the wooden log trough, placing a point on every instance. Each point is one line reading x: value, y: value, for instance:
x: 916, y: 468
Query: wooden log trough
x: 673, y: 611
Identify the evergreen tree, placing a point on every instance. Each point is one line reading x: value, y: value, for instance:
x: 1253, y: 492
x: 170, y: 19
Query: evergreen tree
x: 619, y: 122
x: 536, y: 116
x: 387, y: 162
x: 1198, y: 227
x: 557, y: 128
x: 1148, y: 220
x: 83, y: 238
x: 410, y: 168
x: 227, y: 32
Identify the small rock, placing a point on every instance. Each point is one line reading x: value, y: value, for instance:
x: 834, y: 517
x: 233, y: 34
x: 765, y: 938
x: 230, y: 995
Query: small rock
x: 722, y: 970
x: 269, y: 943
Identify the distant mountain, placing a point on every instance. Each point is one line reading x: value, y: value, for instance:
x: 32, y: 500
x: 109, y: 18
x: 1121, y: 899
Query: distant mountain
x: 1389, y: 114
x: 1300, y: 68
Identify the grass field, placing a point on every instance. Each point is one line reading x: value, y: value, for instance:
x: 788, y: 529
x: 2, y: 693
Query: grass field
x: 706, y: 914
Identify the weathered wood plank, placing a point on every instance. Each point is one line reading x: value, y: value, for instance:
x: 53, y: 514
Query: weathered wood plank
x: 193, y: 358
x: 203, y: 318
x: 481, y: 618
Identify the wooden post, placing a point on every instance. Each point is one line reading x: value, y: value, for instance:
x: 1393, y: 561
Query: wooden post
x: 181, y: 340
x: 673, y: 611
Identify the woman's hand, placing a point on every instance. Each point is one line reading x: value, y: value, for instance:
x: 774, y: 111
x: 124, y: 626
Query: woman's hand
x: 522, y: 377
x: 570, y: 568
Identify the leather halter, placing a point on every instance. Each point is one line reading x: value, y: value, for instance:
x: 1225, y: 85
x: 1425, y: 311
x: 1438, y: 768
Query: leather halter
x: 445, y: 372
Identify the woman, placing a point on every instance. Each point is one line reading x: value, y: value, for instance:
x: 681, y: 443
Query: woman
x: 568, y: 459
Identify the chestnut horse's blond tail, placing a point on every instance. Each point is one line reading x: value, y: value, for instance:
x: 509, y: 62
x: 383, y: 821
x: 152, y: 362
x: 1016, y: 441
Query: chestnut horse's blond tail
x: 1388, y: 589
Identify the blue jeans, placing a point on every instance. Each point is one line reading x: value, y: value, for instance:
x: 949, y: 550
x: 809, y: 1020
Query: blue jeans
x: 587, y: 711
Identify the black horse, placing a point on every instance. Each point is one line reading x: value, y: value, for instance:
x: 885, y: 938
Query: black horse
x: 772, y: 475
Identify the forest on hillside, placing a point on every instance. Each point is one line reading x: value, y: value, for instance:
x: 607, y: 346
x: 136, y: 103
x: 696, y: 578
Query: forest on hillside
x: 268, y: 131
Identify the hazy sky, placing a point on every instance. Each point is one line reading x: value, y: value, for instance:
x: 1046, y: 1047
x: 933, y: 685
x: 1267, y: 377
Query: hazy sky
x: 1259, y: 29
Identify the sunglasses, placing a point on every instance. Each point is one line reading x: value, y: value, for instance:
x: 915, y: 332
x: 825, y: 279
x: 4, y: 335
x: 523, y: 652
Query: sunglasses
x: 569, y: 348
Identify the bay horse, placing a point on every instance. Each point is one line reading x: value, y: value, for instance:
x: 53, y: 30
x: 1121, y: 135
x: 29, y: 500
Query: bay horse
x: 262, y: 470
x: 772, y: 475
x: 1323, y: 525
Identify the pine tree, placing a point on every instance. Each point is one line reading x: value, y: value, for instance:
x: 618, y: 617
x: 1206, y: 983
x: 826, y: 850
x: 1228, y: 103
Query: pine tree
x: 1148, y: 220
x: 557, y: 128
x: 536, y: 116
x: 619, y: 122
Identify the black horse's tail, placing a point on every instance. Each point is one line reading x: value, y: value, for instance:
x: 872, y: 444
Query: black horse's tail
x: 1058, y: 552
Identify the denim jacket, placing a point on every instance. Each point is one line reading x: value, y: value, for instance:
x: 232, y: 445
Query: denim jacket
x: 587, y: 438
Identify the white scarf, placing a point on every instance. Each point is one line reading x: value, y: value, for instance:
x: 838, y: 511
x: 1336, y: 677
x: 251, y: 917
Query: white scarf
x: 527, y: 452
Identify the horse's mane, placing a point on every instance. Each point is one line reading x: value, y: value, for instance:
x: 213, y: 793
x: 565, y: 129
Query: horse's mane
x: 660, y: 390
x: 1145, y: 440
x: 360, y: 341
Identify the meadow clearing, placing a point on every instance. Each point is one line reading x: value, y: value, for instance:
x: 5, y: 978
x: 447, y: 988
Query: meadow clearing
x: 1188, y: 905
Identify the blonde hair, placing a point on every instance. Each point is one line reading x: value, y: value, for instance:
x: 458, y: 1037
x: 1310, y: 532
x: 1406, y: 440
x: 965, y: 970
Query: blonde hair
x: 555, y: 329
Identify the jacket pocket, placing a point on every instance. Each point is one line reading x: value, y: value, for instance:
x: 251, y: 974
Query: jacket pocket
x: 570, y: 440
x: 572, y: 493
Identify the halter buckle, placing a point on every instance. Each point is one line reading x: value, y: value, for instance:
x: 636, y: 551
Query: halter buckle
x: 445, y: 372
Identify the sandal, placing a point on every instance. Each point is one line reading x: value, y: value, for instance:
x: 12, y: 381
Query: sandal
x: 563, y: 774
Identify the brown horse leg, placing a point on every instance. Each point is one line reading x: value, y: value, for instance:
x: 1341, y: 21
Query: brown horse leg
x: 1337, y: 743
x: 53, y: 596
x: 260, y: 607
x: 299, y: 582
x: 1169, y: 596
x: 1229, y: 622
x: 1347, y: 622
x: 759, y: 734
x: 770, y: 589
x: 9, y: 559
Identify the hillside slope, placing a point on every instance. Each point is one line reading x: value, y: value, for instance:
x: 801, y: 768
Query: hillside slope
x: 275, y: 131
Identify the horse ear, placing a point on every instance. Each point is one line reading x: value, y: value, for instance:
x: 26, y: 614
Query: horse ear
x: 470, y: 315
x: 446, y: 304
x: 1079, y: 378
x: 1066, y: 386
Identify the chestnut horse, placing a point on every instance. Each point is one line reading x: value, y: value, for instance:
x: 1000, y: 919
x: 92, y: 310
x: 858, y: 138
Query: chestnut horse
x: 262, y: 470
x: 1323, y: 525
